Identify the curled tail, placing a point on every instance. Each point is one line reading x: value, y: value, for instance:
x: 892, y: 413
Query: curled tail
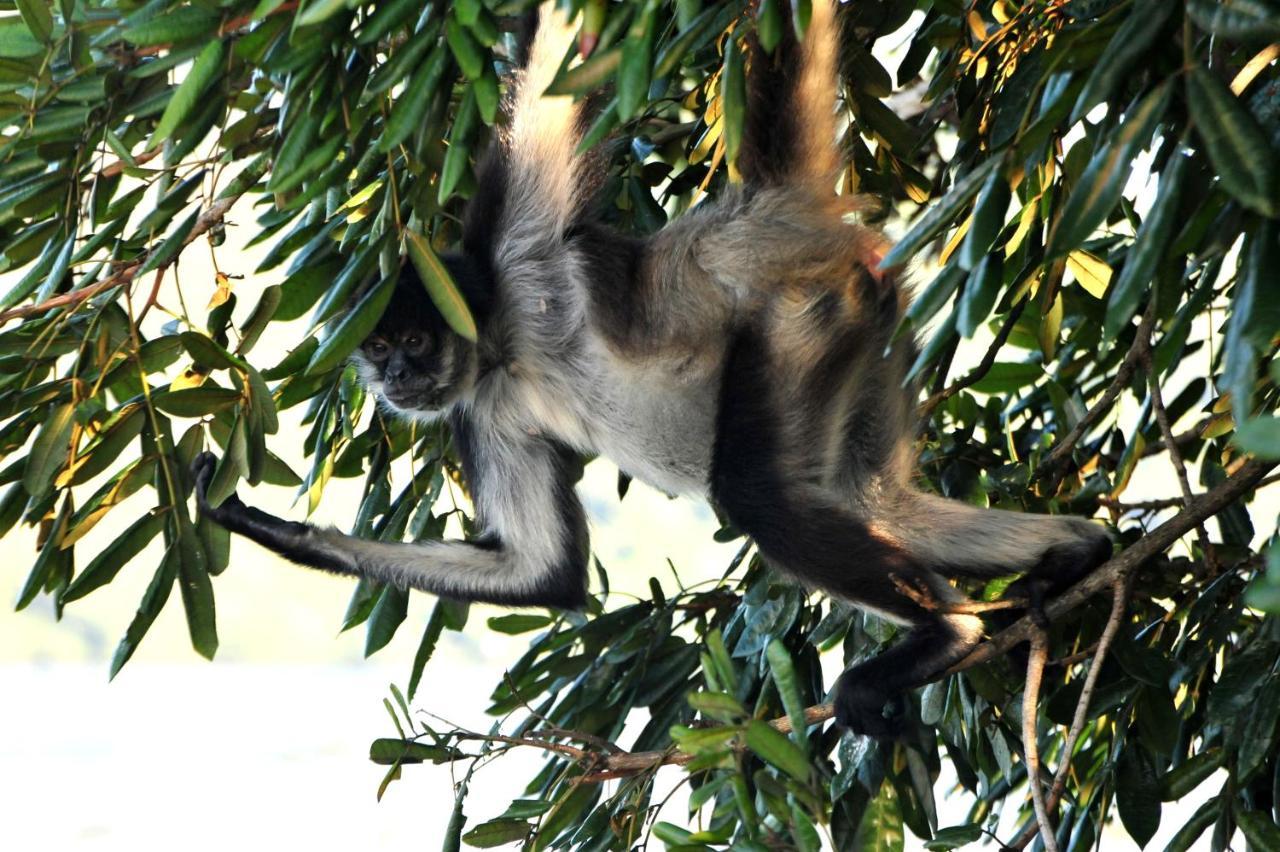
x: 790, y: 132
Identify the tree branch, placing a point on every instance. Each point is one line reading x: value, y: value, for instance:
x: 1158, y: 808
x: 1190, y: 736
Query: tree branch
x: 1119, y: 600
x: 1175, y: 455
x: 1110, y: 574
x: 1030, y: 737
x: 206, y: 220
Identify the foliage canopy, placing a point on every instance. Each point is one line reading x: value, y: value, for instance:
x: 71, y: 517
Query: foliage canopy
x: 1111, y: 324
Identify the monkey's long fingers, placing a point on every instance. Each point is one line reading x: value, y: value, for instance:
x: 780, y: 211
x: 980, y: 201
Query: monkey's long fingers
x: 202, y: 471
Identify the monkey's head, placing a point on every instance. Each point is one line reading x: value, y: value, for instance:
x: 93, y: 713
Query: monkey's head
x: 413, y: 361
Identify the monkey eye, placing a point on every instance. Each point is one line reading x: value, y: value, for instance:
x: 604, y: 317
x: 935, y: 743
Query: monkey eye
x: 416, y: 343
x: 377, y: 349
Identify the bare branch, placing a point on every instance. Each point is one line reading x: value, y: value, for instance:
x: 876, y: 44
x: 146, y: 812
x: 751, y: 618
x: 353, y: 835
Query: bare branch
x: 1030, y: 740
x: 1119, y: 601
x: 1175, y: 456
x: 124, y: 275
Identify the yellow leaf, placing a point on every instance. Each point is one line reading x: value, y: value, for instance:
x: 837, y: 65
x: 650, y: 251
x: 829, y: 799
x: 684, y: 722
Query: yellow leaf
x: 189, y: 378
x: 1218, y: 426
x: 954, y: 242
x: 1254, y: 67
x: 1028, y: 218
x: 977, y: 26
x: 222, y: 293
x: 1050, y: 327
x: 1090, y: 271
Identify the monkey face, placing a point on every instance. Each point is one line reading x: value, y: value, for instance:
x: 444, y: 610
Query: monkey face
x: 413, y: 361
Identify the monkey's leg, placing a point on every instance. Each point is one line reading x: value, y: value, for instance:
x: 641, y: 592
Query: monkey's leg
x: 808, y: 534
x: 534, y: 552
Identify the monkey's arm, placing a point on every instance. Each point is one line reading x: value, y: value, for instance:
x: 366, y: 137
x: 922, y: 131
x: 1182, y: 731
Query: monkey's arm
x: 533, y: 552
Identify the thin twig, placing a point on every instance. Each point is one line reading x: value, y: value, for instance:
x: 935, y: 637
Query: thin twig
x: 1121, y: 507
x: 1175, y: 455
x: 1054, y: 464
x: 984, y: 366
x: 1119, y: 601
x: 124, y: 275
x: 1030, y: 741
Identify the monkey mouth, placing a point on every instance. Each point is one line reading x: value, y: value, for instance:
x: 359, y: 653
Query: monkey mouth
x: 414, y: 399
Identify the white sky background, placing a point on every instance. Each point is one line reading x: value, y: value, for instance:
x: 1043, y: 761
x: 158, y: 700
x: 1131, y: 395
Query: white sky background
x: 267, y: 745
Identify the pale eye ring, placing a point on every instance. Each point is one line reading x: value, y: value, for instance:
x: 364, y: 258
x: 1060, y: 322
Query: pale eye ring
x: 377, y: 349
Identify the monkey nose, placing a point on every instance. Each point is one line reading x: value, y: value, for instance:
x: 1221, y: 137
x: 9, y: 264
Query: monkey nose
x: 395, y: 375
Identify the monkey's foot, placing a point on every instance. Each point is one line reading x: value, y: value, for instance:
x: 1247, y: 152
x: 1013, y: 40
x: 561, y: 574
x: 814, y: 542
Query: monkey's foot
x: 867, y: 709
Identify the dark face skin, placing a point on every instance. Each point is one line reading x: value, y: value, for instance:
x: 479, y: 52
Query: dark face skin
x: 413, y: 360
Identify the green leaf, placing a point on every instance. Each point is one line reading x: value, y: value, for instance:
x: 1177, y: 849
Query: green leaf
x: 455, y: 158
x: 717, y: 705
x: 498, y: 832
x: 37, y: 17
x: 526, y: 808
x: 16, y: 40
x: 733, y: 98
x: 318, y: 11
x: 386, y: 752
x: 164, y: 254
x: 980, y: 294
x: 988, y: 220
x: 49, y: 451
x: 1006, y: 377
x: 1149, y: 245
x: 153, y: 600
x: 353, y: 329
x: 637, y: 62
x: 1125, y: 50
x: 443, y: 291
x: 196, y: 589
x: 184, y: 23
x: 107, y: 564
x: 776, y: 749
x: 468, y: 52
x: 204, y: 71
x: 518, y: 622
x: 1138, y: 794
x: 1245, y: 20
x: 589, y: 76
x: 411, y: 107
x: 1260, y: 830
x: 1190, y: 832
x: 1241, y: 154
x: 1100, y: 186
x: 941, y: 215
x: 196, y: 402
x: 387, y: 616
x: 880, y: 829
x: 954, y: 837
x: 784, y: 676
x: 1260, y: 436
x: 1180, y: 781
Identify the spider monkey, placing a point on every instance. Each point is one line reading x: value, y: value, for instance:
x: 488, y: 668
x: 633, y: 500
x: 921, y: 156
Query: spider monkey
x: 745, y: 353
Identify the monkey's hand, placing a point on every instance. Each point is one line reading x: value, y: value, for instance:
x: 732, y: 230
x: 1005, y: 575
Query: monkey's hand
x: 202, y: 469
